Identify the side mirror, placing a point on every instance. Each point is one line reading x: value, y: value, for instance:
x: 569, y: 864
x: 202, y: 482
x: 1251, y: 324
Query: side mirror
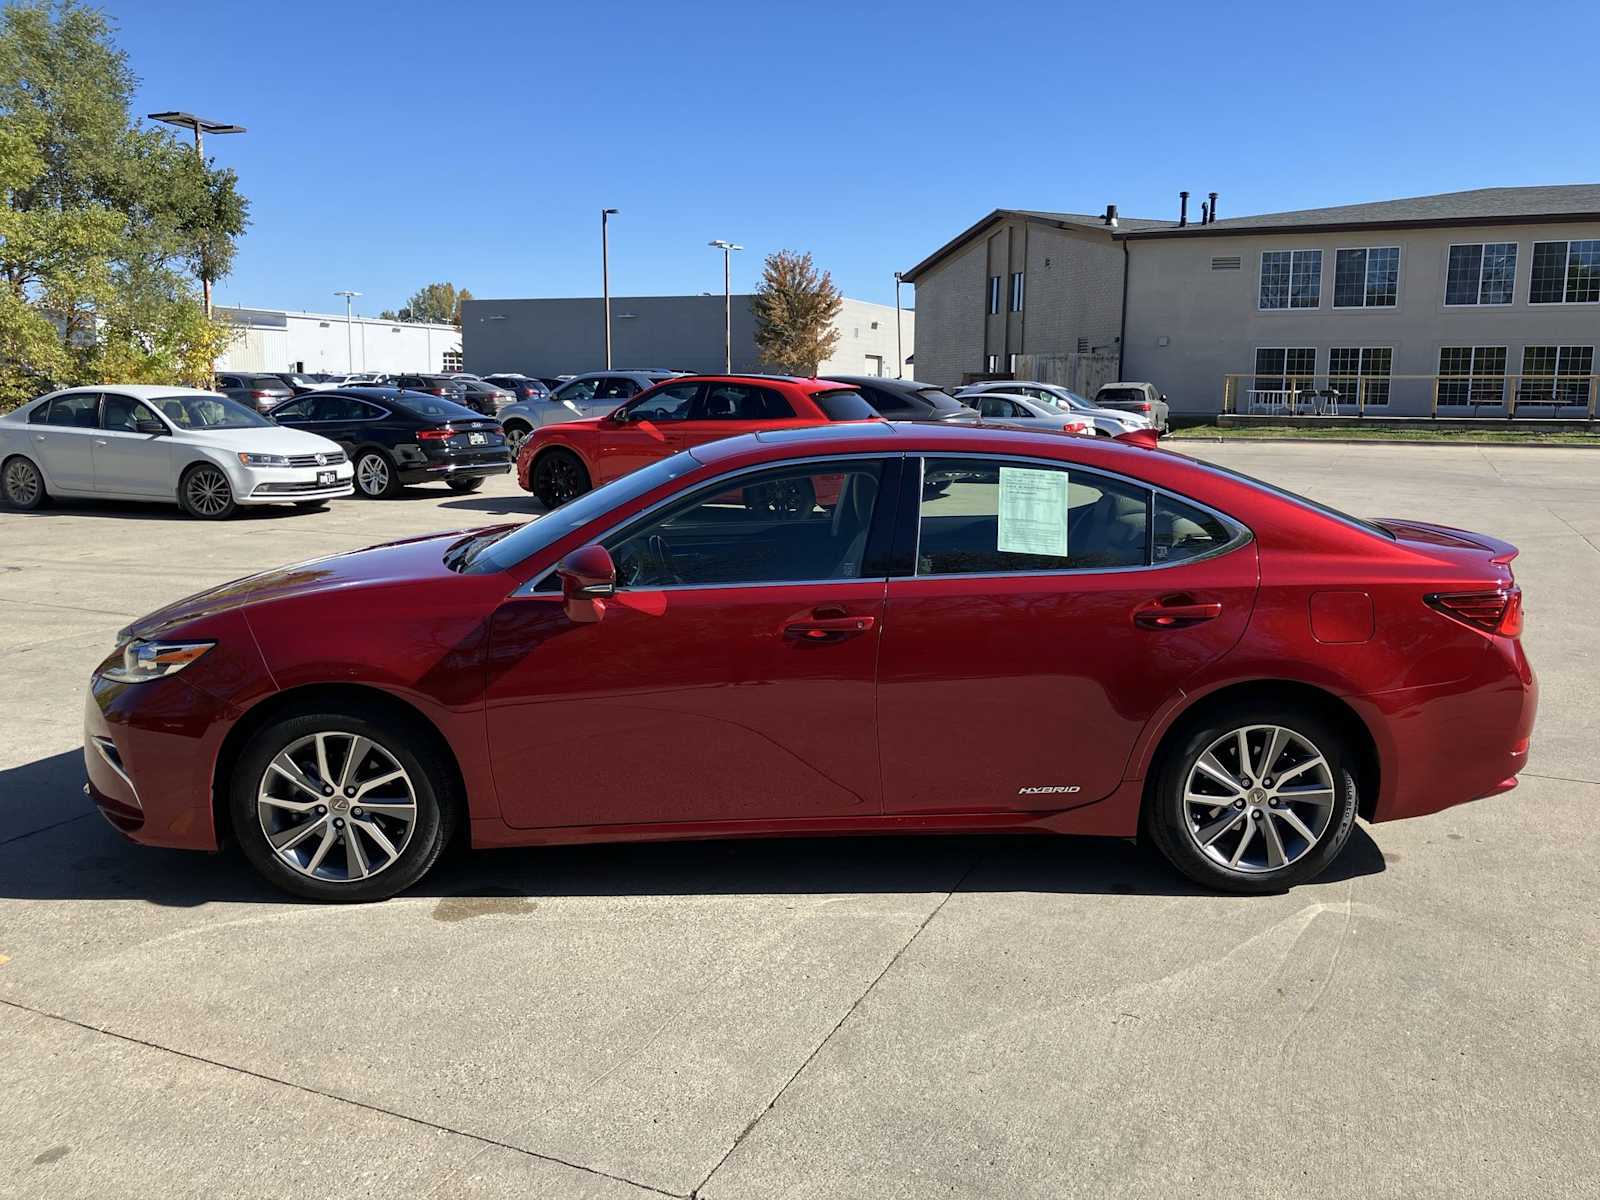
x: 1163, y: 397
x: 587, y: 577
x: 149, y: 426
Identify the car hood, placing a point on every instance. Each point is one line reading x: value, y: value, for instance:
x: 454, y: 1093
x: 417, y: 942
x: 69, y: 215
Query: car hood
x: 274, y: 440
x: 391, y: 562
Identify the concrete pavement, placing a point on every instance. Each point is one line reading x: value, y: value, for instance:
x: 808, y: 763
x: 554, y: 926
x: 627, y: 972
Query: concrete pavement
x: 872, y: 1018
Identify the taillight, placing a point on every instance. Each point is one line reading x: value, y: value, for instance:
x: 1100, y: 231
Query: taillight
x: 1142, y: 407
x: 435, y: 435
x: 1493, y: 612
x: 261, y: 395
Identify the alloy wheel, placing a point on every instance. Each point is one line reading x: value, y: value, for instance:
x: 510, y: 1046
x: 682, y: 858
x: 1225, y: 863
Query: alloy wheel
x: 22, y: 483
x: 372, y: 473
x: 208, y: 492
x: 515, y: 436
x: 1258, y: 798
x: 336, y: 807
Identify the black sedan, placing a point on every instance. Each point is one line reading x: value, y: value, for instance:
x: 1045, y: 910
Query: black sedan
x: 395, y: 437
x: 906, y: 399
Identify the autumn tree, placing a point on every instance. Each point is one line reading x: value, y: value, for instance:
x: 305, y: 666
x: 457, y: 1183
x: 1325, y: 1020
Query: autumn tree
x: 104, y: 223
x: 434, y: 304
x: 795, y: 307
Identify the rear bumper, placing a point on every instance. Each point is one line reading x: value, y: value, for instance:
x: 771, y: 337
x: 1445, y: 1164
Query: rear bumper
x: 454, y: 471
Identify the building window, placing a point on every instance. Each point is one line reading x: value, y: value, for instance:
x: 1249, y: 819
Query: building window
x: 994, y: 294
x: 451, y: 361
x: 1472, y: 375
x: 1555, y: 375
x: 1282, y: 370
x: 1291, y: 278
x: 1360, y: 374
x: 1366, y: 278
x: 1016, y: 291
x: 1484, y: 273
x: 991, y: 364
x: 1565, y: 273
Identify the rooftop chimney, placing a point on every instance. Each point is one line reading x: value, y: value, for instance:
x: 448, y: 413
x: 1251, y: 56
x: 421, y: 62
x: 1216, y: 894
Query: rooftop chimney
x: 1111, y: 215
x: 1183, y: 210
x: 1213, y: 216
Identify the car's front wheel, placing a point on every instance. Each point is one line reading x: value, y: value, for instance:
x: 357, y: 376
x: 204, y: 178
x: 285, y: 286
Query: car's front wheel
x: 1255, y: 798
x: 204, y: 492
x: 21, y: 483
x: 559, y: 476
x: 342, y: 806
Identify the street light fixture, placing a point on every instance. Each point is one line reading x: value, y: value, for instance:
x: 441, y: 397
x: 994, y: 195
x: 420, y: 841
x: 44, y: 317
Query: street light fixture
x: 605, y: 275
x: 349, y: 346
x: 899, y: 348
x: 200, y: 126
x: 727, y: 249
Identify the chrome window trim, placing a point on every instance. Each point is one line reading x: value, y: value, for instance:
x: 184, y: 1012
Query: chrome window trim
x: 532, y: 585
x: 1243, y: 535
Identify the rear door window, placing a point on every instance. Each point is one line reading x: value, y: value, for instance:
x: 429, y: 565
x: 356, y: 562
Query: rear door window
x: 343, y: 408
x: 79, y: 410
x: 742, y: 402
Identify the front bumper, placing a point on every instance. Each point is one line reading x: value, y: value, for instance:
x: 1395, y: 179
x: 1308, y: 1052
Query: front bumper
x: 274, y: 485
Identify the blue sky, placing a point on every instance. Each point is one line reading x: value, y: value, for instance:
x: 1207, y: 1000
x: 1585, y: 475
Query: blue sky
x: 391, y: 144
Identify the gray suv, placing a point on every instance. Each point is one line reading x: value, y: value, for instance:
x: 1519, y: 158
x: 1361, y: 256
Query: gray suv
x: 1145, y: 399
x: 593, y: 394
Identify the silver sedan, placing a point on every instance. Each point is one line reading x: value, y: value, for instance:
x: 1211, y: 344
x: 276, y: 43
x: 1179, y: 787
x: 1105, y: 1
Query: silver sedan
x: 1108, y: 422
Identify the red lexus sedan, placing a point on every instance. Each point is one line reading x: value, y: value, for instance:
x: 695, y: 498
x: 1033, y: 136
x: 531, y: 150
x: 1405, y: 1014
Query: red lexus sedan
x: 564, y: 460
x: 1241, y: 671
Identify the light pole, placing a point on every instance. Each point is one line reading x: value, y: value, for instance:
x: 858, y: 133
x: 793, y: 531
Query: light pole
x: 899, y: 347
x: 605, y: 275
x: 200, y: 126
x: 727, y: 249
x: 349, y: 347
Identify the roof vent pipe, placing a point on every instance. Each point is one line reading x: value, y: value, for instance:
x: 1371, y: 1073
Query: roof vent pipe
x: 1213, y: 196
x: 1111, y: 215
x: 1205, y: 214
x: 1183, y: 210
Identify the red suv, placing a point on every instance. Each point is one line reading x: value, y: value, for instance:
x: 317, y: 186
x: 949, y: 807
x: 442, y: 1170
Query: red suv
x: 559, y: 462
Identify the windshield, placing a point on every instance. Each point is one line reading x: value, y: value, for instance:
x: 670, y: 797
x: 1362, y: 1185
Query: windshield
x: 544, y: 532
x: 209, y: 412
x: 1068, y: 400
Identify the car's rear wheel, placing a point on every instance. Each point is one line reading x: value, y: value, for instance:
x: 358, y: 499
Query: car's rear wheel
x: 342, y: 806
x: 559, y: 476
x: 21, y: 483
x: 376, y: 476
x: 462, y: 486
x: 1255, y: 798
x: 204, y: 492
x: 516, y: 434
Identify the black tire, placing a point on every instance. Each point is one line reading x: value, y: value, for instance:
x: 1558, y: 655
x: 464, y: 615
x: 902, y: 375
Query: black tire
x: 435, y: 819
x: 22, y: 484
x: 205, y: 493
x: 1177, y: 826
x: 559, y: 476
x: 377, y: 478
x: 463, y: 486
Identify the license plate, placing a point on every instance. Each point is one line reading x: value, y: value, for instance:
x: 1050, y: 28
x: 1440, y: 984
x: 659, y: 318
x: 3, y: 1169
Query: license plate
x: 477, y: 439
x: 325, y: 478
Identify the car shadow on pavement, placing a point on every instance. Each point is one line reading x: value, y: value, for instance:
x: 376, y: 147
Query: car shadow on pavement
x: 54, y: 846
x: 139, y: 510
x: 513, y: 506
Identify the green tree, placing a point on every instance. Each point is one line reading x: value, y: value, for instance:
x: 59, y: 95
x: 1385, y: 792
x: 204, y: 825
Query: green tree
x: 103, y: 222
x: 795, y: 307
x: 434, y: 304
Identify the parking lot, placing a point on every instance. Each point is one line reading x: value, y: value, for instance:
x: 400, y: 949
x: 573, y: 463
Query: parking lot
x: 871, y: 1018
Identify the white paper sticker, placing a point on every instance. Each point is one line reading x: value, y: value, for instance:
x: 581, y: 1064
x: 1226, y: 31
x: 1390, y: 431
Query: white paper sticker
x: 1033, y: 512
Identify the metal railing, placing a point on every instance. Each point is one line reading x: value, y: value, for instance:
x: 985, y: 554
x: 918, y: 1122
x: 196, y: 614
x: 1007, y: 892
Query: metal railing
x: 1546, y: 396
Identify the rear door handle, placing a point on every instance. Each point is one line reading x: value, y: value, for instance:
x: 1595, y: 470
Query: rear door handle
x: 1175, y: 612
x: 828, y: 629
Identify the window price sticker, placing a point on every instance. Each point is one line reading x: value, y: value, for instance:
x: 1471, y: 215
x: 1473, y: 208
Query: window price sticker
x: 1033, y: 512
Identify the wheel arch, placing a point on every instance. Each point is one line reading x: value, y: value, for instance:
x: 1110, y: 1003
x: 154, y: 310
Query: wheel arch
x: 1368, y: 764
x: 299, y: 699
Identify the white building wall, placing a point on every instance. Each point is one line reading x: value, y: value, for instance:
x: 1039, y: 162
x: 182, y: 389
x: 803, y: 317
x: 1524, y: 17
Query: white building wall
x: 866, y: 343
x: 280, y: 340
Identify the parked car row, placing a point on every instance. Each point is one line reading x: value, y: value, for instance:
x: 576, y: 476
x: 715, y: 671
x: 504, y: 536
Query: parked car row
x: 210, y: 453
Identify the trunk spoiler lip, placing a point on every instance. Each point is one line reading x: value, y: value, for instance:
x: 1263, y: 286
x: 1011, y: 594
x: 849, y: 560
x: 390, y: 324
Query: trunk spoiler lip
x: 1500, y: 552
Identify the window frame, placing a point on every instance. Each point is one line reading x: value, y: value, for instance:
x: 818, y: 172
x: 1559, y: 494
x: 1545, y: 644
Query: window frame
x: 1471, y: 378
x: 1480, y: 302
x: 1555, y: 376
x: 1242, y: 534
x: 1285, y: 374
x: 1366, y: 277
x: 994, y: 295
x: 1288, y: 305
x: 1018, y: 290
x: 1566, y: 270
x: 1360, y: 372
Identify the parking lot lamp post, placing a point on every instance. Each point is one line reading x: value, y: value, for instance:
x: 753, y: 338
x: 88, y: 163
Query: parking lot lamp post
x: 201, y: 126
x: 605, y: 275
x: 727, y: 249
x: 349, y: 345
x: 899, y: 348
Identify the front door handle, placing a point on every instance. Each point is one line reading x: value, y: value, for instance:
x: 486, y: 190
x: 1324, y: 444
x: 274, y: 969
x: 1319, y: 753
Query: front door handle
x: 828, y: 629
x: 1175, y: 612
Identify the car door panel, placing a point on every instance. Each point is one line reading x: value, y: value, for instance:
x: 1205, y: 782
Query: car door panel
x: 65, y: 451
x: 126, y: 461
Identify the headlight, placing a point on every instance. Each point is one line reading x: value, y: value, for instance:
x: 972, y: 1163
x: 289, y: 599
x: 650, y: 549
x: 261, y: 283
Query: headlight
x: 263, y: 460
x: 143, y: 661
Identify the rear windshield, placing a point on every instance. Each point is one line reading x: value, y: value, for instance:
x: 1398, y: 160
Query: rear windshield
x: 941, y: 402
x: 433, y: 408
x: 269, y: 383
x: 1120, y: 394
x: 843, y: 406
x: 1295, y: 497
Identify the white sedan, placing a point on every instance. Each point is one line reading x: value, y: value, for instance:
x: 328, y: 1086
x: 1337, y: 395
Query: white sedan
x: 202, y: 451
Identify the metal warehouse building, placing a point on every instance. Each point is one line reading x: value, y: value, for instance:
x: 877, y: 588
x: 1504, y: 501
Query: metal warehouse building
x: 274, y: 339
x: 1482, y: 303
x: 567, y: 336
